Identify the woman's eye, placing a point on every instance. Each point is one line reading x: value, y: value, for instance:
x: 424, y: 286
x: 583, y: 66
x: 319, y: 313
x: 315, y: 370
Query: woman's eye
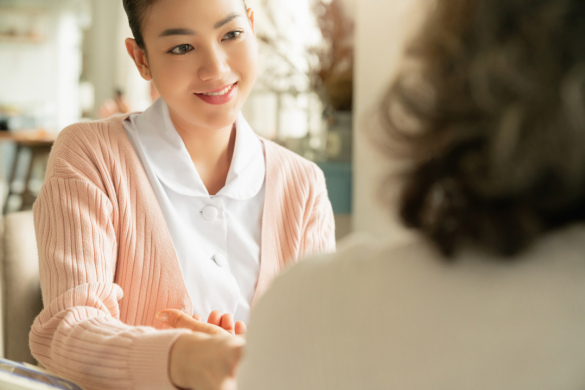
x: 232, y: 35
x: 181, y: 49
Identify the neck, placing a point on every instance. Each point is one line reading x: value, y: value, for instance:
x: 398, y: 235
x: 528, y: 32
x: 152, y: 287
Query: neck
x: 211, y: 151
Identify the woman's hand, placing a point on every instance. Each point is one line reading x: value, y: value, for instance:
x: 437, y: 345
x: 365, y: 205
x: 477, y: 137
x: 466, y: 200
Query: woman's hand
x: 205, y: 362
x: 217, y: 323
x: 226, y: 322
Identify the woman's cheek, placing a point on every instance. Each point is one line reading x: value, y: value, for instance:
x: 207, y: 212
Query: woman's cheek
x: 175, y: 74
x: 250, y: 58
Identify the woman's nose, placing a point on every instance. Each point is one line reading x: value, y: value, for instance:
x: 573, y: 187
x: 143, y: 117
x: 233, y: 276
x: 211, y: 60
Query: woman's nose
x: 214, y: 65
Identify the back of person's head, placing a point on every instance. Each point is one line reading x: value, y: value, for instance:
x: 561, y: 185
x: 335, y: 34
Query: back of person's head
x: 490, y: 110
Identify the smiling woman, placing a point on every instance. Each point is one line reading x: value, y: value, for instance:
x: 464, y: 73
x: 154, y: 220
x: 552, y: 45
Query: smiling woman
x: 176, y: 217
x: 190, y: 52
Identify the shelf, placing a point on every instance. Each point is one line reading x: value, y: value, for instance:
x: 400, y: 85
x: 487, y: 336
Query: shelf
x: 23, y: 9
x: 20, y: 39
x: 22, y: 25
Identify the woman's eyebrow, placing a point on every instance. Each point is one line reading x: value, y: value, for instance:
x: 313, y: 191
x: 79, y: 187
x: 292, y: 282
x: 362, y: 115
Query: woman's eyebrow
x: 176, y: 31
x: 227, y: 19
x: 187, y: 31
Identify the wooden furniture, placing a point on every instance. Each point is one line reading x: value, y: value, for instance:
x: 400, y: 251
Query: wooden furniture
x: 39, y: 143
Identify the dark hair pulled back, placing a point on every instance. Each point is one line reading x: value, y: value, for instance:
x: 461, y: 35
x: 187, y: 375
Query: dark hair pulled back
x: 136, y: 10
x: 490, y: 111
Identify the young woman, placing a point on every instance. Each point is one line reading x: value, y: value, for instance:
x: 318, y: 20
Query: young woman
x: 492, y: 293
x: 181, y: 207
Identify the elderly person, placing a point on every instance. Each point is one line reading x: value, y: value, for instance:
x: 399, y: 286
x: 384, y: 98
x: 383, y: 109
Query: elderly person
x: 491, y: 295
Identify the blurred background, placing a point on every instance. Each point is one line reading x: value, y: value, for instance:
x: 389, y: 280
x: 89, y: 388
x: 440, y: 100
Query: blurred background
x: 324, y: 66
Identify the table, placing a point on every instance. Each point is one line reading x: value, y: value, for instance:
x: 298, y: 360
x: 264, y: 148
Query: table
x: 39, y: 143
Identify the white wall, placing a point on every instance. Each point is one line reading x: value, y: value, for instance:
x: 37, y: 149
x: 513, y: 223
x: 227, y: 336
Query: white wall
x: 381, y: 29
x: 42, y: 78
x: 104, y: 48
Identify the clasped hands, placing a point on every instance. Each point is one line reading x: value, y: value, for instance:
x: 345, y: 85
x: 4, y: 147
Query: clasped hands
x: 206, y: 358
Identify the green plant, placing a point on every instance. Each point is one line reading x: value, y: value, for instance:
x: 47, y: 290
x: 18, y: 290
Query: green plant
x: 331, y: 62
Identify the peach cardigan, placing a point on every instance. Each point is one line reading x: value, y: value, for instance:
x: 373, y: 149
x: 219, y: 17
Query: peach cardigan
x: 107, y: 263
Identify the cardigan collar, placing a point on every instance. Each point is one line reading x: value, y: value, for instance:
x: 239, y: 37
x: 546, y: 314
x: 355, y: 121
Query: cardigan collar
x: 166, y: 152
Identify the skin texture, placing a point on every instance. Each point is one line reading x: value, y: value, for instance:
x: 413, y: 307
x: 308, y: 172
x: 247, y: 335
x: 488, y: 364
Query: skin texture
x: 193, y: 47
x: 204, y: 58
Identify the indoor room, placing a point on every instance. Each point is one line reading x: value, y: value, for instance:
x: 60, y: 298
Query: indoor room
x: 308, y: 194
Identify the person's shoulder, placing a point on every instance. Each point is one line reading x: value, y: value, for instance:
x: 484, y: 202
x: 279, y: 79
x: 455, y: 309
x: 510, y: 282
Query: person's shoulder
x: 90, y: 132
x: 362, y: 252
x: 282, y: 156
x: 87, y: 146
x: 105, y: 137
x: 290, y: 167
x: 361, y: 260
x: 297, y: 293
x: 314, y: 271
x: 357, y: 247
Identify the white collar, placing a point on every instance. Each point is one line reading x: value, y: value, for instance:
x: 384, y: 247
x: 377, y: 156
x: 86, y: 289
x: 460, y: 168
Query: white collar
x: 172, y: 164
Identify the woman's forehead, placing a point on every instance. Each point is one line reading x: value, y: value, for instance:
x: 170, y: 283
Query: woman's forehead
x: 192, y: 14
x: 196, y: 6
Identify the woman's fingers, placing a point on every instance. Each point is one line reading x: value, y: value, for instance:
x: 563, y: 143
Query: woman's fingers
x: 240, y: 328
x: 217, y: 323
x: 227, y: 323
x: 214, y: 318
x: 177, y: 319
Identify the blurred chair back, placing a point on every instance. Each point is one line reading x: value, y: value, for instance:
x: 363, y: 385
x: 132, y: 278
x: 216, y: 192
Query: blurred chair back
x: 21, y: 300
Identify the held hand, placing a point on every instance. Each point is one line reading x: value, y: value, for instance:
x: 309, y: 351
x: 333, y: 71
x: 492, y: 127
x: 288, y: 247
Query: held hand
x: 226, y: 322
x: 217, y: 323
x: 203, y: 362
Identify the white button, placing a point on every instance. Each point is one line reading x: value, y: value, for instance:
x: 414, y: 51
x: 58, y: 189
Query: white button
x: 220, y: 259
x: 210, y: 212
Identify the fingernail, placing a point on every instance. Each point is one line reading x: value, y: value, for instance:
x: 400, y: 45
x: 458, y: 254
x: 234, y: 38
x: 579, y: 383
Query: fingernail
x: 162, y: 316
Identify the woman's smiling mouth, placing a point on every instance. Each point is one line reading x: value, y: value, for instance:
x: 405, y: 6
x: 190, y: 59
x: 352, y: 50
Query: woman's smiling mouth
x: 221, y: 96
x: 218, y: 93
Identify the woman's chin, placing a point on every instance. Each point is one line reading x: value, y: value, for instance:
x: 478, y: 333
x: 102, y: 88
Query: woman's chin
x: 204, y: 117
x: 218, y: 121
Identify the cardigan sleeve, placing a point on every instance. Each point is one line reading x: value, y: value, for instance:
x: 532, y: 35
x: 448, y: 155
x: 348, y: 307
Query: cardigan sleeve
x: 79, y: 334
x: 319, y: 232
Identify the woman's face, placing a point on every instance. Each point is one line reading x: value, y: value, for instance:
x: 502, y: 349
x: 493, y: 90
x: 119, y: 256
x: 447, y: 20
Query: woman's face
x: 202, y: 57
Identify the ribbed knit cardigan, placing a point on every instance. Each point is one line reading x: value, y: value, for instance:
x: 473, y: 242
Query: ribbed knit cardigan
x: 107, y: 262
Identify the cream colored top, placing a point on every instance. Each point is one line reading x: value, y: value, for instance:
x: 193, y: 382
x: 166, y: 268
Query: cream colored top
x: 373, y: 317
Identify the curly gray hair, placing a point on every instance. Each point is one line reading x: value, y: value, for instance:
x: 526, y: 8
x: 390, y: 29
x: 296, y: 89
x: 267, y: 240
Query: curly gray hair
x: 491, y: 115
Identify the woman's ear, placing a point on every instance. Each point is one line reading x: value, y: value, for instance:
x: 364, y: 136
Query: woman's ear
x: 250, y: 13
x: 138, y: 55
